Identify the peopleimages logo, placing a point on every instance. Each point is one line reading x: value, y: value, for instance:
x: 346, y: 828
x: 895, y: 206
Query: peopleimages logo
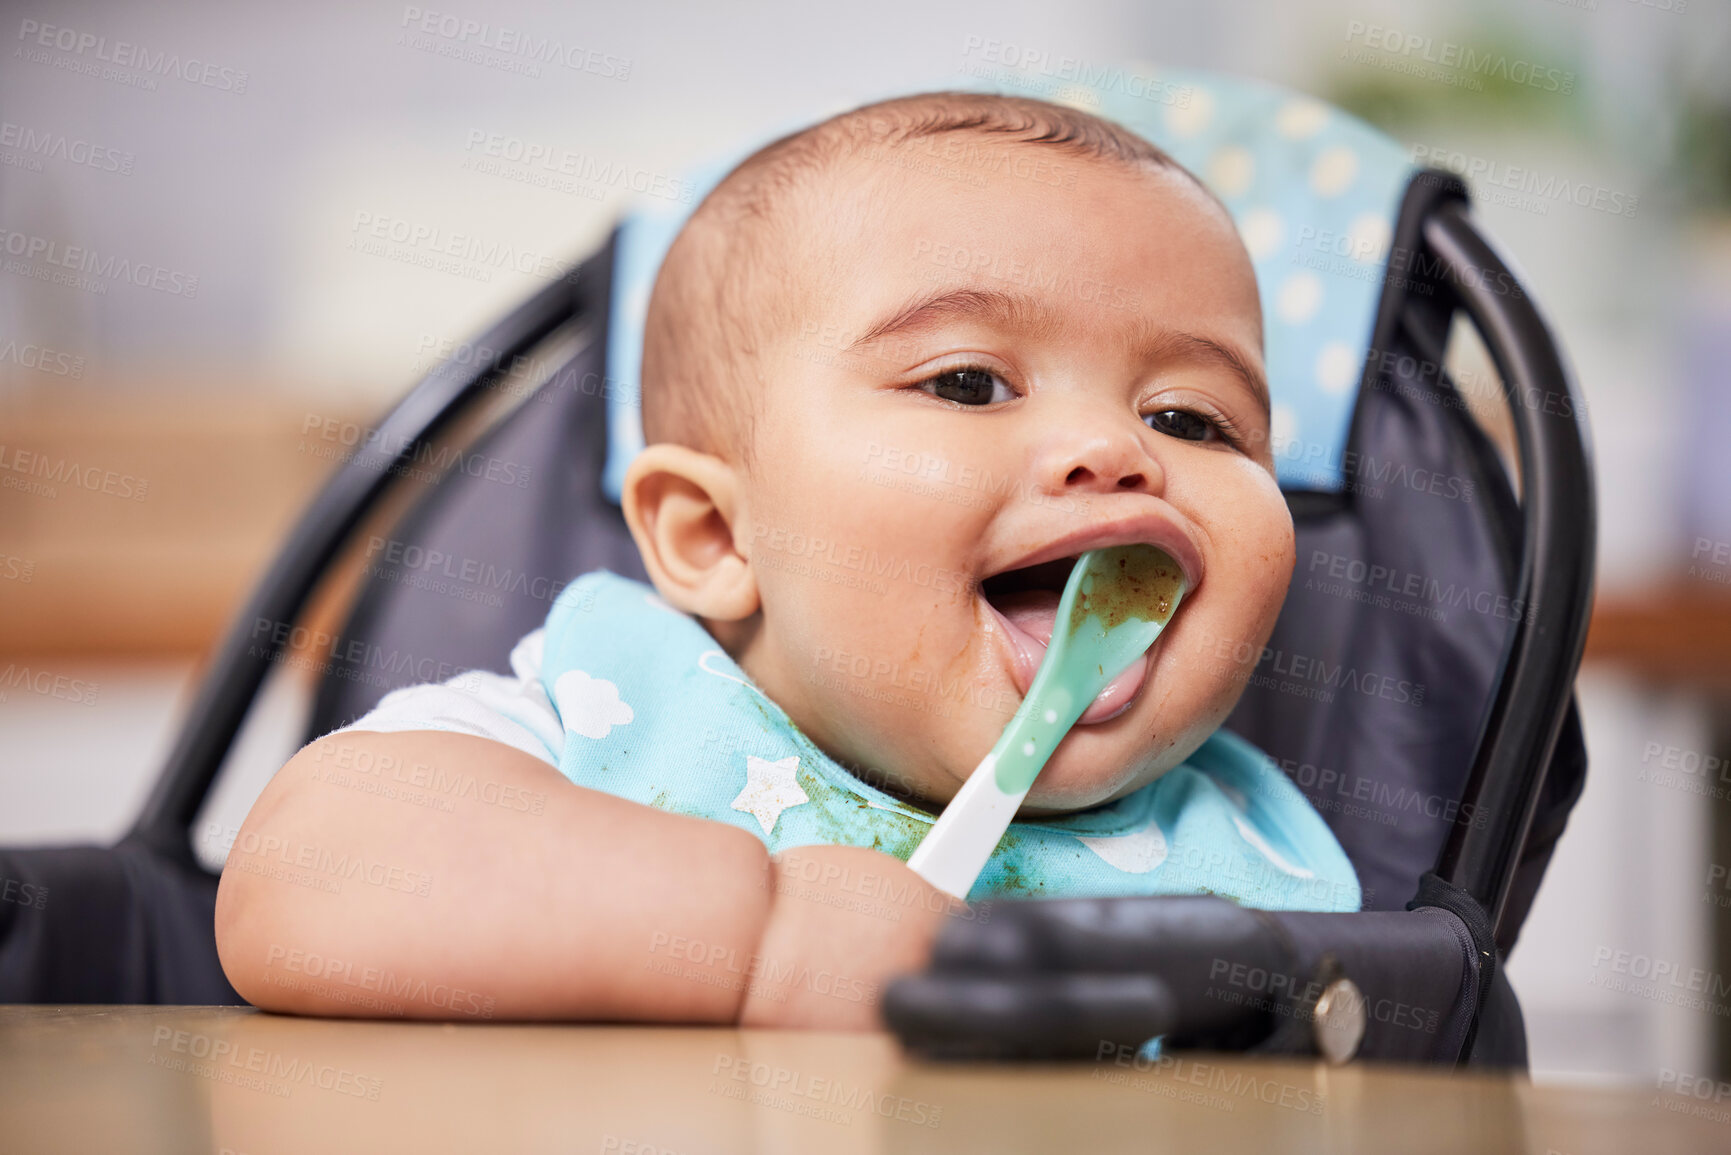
x: 1497, y: 177
x: 47, y: 683
x: 44, y: 473
x: 33, y: 248
x: 1374, y: 581
x: 1306, y: 674
x: 1038, y: 63
x: 27, y: 355
x: 405, y: 456
x: 819, y: 1097
x: 515, y: 42
x: 1459, y: 58
x: 466, y: 578
x: 371, y: 232
x: 409, y: 988
x: 34, y: 142
x: 124, y: 54
x: 222, y: 1060
x: 583, y: 167
x: 1368, y: 474
x: 1664, y: 980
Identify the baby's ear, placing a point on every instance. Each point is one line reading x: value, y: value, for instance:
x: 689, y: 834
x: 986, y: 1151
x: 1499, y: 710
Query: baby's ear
x: 681, y: 506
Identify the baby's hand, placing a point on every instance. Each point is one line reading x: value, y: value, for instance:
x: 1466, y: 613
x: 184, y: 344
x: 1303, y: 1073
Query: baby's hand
x: 844, y: 921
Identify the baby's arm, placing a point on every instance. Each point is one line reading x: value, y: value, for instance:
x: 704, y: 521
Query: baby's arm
x: 575, y: 905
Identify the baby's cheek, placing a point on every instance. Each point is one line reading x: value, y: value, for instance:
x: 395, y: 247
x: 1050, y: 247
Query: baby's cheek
x: 1249, y: 570
x: 1262, y: 547
x: 1272, y: 574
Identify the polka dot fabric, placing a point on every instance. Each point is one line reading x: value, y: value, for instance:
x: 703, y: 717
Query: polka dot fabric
x: 1314, y: 193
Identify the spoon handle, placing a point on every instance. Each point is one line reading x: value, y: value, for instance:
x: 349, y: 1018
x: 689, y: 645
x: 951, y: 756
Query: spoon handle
x: 958, y: 845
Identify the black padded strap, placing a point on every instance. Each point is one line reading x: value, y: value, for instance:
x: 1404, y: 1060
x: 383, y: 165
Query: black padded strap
x: 1435, y: 891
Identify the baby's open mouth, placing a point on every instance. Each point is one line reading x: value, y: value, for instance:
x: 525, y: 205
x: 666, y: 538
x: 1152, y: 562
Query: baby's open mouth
x: 1026, y: 604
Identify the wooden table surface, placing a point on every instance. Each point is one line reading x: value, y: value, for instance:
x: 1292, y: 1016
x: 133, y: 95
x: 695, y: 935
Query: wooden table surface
x: 188, y: 1079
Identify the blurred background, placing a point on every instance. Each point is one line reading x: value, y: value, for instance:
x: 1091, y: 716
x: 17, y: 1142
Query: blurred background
x: 160, y: 430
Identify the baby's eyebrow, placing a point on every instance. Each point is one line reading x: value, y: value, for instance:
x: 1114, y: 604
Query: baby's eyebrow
x: 1032, y: 318
x: 1172, y: 344
x: 934, y: 308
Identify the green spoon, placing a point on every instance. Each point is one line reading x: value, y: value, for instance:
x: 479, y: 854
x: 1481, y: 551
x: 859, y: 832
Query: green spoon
x: 1115, y: 604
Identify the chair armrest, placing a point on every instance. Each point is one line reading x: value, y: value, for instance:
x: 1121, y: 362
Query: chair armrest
x: 1084, y: 978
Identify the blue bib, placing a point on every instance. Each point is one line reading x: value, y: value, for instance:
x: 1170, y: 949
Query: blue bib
x: 655, y: 711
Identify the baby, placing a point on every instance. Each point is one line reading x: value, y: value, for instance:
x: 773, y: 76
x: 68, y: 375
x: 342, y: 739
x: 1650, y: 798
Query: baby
x: 886, y: 409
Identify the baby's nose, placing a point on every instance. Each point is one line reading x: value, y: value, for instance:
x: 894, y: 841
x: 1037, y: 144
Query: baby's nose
x: 1080, y: 477
x: 1099, y: 461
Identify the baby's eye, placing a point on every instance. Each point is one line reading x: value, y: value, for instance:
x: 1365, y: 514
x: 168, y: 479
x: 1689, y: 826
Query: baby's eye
x: 968, y: 386
x: 1184, y: 425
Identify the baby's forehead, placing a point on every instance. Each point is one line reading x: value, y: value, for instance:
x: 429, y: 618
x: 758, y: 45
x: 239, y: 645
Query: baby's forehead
x: 872, y: 181
x: 837, y: 221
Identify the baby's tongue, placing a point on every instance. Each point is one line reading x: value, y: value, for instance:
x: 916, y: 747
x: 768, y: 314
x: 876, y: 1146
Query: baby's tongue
x: 1031, y: 614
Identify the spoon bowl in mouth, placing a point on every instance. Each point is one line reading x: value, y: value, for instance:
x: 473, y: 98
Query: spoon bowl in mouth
x: 1115, y: 604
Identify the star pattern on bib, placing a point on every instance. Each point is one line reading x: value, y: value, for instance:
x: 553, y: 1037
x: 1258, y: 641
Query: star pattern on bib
x: 770, y: 788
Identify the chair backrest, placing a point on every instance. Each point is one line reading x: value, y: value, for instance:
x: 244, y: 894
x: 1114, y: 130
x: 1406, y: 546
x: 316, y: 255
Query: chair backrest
x: 1371, y: 692
x: 477, y: 562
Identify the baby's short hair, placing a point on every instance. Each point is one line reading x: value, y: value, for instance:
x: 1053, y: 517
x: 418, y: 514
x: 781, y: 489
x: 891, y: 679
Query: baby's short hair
x: 722, y: 293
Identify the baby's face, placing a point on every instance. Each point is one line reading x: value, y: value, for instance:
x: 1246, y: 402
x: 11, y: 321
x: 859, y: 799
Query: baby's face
x: 988, y: 382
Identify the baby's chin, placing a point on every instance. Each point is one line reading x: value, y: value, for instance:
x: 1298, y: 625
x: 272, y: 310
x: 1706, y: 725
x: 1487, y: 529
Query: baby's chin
x: 1073, y: 783
x: 1062, y: 789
